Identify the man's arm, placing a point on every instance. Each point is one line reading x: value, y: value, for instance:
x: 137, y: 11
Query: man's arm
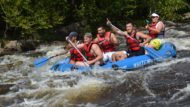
x: 67, y: 48
x: 99, y: 55
x: 159, y: 27
x: 62, y: 53
x: 95, y: 40
x: 114, y: 39
x: 80, y: 45
x: 144, y: 36
x: 115, y: 29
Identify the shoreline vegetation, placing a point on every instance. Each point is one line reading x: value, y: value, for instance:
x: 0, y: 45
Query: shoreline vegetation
x: 31, y: 19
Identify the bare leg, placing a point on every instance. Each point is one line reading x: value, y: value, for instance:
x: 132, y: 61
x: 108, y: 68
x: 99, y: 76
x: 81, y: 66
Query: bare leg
x: 114, y: 57
x: 150, y: 46
x: 98, y: 63
x: 121, y: 55
x: 80, y: 63
x: 72, y: 62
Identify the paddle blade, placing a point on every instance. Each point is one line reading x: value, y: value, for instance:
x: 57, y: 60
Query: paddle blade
x: 147, y: 21
x: 40, y: 61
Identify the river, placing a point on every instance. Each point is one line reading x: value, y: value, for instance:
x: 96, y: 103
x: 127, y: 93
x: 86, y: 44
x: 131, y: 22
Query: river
x: 165, y: 84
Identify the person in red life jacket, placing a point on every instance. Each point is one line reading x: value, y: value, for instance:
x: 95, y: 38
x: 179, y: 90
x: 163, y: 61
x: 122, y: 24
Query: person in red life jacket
x: 74, y: 55
x: 132, y: 37
x: 156, y: 28
x: 107, y: 42
x: 92, y: 51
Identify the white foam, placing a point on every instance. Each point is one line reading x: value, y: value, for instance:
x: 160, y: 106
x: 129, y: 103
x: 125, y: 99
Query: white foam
x: 180, y: 43
x: 32, y: 102
x: 182, y: 94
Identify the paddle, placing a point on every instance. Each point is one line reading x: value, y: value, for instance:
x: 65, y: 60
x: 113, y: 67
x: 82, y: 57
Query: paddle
x: 85, y: 60
x: 147, y: 21
x: 42, y: 61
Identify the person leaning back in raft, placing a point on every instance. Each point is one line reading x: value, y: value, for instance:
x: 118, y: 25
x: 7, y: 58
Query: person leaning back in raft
x: 132, y: 37
x: 156, y: 31
x: 156, y: 28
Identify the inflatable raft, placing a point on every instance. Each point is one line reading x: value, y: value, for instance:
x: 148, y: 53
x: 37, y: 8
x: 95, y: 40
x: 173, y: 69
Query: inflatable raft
x: 167, y: 51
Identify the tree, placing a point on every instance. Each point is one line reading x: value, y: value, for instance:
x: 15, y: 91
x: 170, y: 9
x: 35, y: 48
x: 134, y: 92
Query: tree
x: 95, y: 12
x: 29, y: 16
x: 168, y: 9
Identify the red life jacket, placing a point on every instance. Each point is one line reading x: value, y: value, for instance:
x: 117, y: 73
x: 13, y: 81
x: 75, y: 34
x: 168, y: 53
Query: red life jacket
x: 75, y: 55
x: 87, y: 48
x: 152, y: 33
x: 133, y: 43
x: 106, y: 46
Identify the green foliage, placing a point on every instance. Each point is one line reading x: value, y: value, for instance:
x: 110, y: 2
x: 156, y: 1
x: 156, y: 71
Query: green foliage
x: 169, y: 9
x: 95, y: 12
x: 119, y: 11
x: 32, y: 15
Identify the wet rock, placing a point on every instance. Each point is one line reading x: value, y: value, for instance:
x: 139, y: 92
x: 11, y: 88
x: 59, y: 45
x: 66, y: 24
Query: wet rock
x: 1, y: 50
x: 170, y: 23
x: 28, y: 45
x: 13, y: 45
x: 182, y: 30
x: 10, y: 47
x: 4, y: 88
x: 185, y: 27
x: 186, y: 15
x: 78, y: 27
x: 174, y: 33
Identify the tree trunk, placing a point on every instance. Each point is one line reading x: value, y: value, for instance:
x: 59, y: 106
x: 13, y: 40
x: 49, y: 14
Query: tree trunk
x: 5, y: 32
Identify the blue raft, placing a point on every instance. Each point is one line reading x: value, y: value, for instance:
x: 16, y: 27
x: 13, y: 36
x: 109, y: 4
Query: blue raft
x: 167, y: 51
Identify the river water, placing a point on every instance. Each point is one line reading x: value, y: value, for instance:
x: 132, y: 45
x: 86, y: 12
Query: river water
x: 165, y: 84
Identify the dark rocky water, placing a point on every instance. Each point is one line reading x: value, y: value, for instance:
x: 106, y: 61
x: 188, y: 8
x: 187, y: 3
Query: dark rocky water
x: 165, y: 84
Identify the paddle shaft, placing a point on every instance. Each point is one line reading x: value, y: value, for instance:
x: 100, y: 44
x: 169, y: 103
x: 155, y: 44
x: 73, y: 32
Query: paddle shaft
x: 46, y: 59
x: 78, y: 51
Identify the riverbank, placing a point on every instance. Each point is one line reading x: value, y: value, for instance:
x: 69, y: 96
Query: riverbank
x: 9, y: 47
